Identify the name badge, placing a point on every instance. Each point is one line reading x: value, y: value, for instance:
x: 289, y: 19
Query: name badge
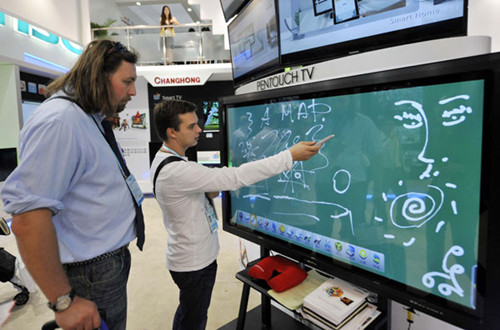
x: 133, y: 186
x: 211, y: 216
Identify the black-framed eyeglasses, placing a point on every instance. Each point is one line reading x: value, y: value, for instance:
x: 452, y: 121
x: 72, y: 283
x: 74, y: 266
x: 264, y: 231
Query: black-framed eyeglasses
x: 117, y: 47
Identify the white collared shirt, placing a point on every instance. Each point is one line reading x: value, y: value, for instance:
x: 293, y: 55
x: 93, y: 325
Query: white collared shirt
x: 180, y: 189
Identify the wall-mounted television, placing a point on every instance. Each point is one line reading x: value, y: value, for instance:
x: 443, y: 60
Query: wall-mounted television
x: 253, y: 39
x: 315, y: 30
x: 403, y: 200
x: 231, y: 7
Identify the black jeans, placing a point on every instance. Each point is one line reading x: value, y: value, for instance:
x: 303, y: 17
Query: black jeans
x: 194, y: 297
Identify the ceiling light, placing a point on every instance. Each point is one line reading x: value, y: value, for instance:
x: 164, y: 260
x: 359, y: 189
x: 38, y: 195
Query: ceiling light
x: 138, y: 3
x: 189, y: 9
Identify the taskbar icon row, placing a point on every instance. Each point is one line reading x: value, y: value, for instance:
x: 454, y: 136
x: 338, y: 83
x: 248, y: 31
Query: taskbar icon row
x: 322, y: 244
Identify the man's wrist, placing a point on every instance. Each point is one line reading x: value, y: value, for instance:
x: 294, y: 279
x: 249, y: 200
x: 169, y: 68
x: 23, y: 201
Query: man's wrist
x: 62, y: 302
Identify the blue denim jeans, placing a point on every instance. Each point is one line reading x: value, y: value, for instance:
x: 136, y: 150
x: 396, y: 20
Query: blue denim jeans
x: 105, y: 283
x: 194, y: 297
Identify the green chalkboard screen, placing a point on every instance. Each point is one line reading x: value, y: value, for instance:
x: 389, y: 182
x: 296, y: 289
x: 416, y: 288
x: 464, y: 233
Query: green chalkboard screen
x: 395, y: 192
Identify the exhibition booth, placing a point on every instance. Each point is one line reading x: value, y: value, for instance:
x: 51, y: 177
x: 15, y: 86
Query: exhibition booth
x: 401, y: 202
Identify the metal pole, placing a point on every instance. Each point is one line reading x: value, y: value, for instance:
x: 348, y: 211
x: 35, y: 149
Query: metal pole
x: 164, y: 47
x: 201, y: 47
x: 127, y: 32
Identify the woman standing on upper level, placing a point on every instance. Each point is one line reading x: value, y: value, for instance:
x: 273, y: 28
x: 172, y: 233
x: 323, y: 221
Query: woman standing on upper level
x: 167, y: 33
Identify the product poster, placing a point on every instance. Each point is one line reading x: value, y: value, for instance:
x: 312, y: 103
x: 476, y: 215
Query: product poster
x: 132, y: 131
x: 132, y: 124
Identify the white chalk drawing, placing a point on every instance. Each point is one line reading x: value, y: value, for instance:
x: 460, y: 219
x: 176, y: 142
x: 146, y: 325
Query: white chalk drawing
x: 439, y: 225
x: 420, y: 208
x: 336, y: 188
x: 417, y: 121
x: 269, y: 141
x: 410, y: 242
x: 337, y: 211
x: 416, y: 208
x: 413, y: 121
x: 456, y: 115
x: 262, y: 196
x: 449, y: 273
x: 265, y: 119
x: 304, y: 110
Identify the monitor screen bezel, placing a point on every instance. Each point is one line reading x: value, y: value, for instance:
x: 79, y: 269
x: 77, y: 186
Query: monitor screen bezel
x: 437, y: 30
x: 233, y: 8
x: 487, y: 66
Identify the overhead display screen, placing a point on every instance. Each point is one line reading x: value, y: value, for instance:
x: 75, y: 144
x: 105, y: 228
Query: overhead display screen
x: 253, y: 38
x: 349, y: 26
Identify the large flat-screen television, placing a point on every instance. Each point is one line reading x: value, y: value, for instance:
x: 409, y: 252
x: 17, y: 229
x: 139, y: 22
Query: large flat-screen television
x: 402, y: 201
x: 253, y: 39
x: 314, y: 30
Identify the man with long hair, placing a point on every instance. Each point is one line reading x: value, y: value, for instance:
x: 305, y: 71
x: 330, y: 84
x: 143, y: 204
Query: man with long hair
x: 75, y: 205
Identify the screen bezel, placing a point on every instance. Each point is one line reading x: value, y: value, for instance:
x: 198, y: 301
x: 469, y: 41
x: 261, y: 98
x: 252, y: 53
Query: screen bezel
x: 316, y: 12
x: 487, y: 66
x: 267, y: 68
x: 233, y: 8
x: 345, y: 20
x: 448, y: 28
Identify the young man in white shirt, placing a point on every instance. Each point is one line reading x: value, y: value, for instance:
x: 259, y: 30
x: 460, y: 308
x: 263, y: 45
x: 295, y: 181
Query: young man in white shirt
x: 183, y: 189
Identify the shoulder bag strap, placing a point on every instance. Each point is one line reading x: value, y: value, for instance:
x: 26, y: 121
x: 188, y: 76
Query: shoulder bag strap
x: 158, y: 169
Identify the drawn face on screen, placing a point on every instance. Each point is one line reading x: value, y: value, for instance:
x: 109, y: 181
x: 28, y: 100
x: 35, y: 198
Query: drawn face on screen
x: 416, y: 208
x: 452, y: 117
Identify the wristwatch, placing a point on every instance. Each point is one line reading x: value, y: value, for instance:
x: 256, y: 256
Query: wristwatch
x: 62, y: 302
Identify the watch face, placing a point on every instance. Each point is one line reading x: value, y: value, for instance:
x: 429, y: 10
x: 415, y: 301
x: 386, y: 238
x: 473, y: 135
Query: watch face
x: 63, y: 302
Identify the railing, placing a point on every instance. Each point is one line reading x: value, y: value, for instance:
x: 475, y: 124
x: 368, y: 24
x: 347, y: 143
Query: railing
x: 192, y: 43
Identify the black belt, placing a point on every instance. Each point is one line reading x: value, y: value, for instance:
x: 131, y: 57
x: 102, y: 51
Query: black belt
x: 98, y: 258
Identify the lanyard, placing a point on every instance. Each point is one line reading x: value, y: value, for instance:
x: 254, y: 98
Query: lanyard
x: 164, y: 147
x: 104, y: 136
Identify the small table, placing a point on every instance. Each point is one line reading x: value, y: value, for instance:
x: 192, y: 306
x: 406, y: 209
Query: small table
x: 266, y: 308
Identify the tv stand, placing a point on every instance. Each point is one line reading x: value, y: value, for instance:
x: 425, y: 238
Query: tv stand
x: 280, y: 320
x: 261, y: 287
